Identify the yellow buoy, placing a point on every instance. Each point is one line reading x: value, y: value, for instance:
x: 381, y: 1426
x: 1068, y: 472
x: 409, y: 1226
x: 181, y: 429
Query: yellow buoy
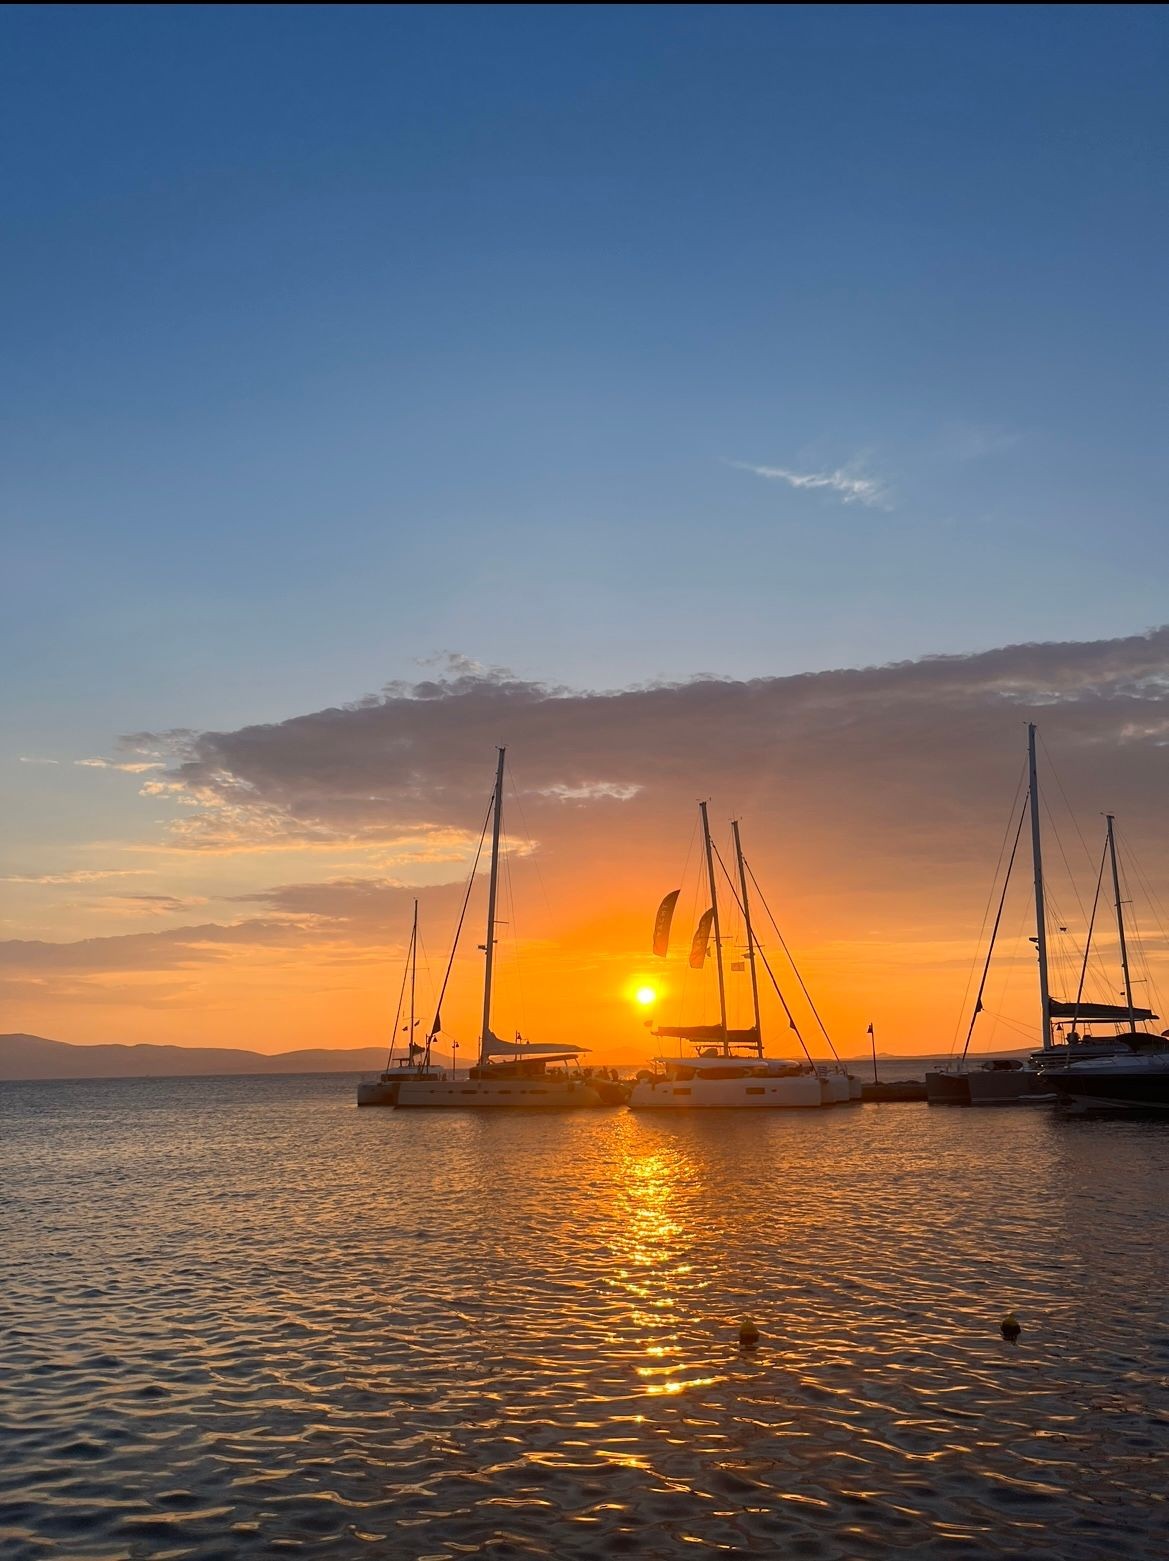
x: 1009, y: 1328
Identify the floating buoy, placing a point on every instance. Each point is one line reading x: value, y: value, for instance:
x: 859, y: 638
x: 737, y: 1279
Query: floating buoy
x: 748, y: 1334
x: 1009, y: 1328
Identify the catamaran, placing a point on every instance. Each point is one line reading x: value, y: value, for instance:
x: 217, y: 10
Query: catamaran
x: 727, y: 1067
x: 1000, y: 1083
x: 507, y: 1073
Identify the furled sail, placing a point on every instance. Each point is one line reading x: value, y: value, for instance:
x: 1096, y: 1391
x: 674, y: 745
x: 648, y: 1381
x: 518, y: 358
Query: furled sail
x: 1116, y: 1013
x: 516, y: 1051
x: 662, y: 922
x: 701, y: 939
x: 708, y: 1032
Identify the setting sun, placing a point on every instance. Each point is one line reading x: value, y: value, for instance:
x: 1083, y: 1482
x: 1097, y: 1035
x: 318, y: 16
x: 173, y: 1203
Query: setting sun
x: 645, y: 995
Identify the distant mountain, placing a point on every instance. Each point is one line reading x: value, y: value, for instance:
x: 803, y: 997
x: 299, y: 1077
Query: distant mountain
x: 34, y: 1057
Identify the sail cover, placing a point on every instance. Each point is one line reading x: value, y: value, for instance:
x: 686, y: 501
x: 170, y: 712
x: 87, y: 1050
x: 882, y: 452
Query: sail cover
x: 701, y: 940
x: 662, y: 922
x: 518, y: 1050
x: 708, y: 1032
x: 1118, y: 1013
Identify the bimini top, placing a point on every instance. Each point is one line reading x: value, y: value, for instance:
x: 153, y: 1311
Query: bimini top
x: 516, y: 1051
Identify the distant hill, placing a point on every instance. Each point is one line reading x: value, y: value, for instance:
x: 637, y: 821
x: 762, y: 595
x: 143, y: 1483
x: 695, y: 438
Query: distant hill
x: 34, y: 1057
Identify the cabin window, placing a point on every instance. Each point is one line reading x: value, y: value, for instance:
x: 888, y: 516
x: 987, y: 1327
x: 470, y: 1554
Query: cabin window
x: 756, y: 1089
x: 681, y: 1092
x: 730, y: 1071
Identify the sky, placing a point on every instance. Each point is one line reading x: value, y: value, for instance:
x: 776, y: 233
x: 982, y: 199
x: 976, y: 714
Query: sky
x: 369, y: 369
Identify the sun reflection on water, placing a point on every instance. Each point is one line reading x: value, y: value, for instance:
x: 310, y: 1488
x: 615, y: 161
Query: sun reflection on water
x: 654, y: 1243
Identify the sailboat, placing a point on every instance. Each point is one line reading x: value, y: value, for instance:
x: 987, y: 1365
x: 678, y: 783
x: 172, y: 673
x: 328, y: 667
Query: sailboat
x: 507, y: 1073
x: 727, y: 1067
x: 1006, y: 1082
x: 1134, y: 1073
x: 383, y: 1091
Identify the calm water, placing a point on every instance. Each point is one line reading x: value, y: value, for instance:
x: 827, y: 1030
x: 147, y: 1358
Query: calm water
x: 241, y: 1318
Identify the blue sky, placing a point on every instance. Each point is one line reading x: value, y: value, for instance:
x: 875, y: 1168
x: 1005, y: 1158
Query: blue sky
x: 336, y: 338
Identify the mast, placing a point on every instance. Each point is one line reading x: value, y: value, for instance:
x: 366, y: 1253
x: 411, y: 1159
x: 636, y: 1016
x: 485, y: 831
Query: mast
x: 718, y: 944
x: 489, y: 947
x: 1120, y: 923
x: 750, y: 935
x: 413, y: 979
x: 1040, y: 916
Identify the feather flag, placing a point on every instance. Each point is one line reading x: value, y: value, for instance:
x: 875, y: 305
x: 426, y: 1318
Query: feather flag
x: 701, y: 940
x: 662, y: 921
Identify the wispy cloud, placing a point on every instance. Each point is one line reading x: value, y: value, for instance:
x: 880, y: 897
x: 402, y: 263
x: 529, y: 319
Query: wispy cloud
x: 79, y: 875
x: 591, y: 791
x: 135, y: 767
x: 852, y: 486
x: 28, y: 759
x: 146, y: 904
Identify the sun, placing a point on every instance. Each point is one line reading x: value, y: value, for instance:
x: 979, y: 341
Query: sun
x: 645, y: 995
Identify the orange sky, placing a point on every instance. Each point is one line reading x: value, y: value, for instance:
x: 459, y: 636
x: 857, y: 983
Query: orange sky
x: 259, y: 891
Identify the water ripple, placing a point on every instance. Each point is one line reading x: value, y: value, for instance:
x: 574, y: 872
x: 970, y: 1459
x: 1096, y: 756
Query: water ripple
x: 241, y: 1318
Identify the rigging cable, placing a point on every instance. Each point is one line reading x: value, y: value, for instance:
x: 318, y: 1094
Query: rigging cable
x: 994, y: 930
x: 1137, y: 942
x: 1157, y: 913
x: 1019, y: 786
x: 401, y: 996
x: 792, y: 1025
x: 791, y: 960
x: 437, y: 1025
x: 1091, y: 927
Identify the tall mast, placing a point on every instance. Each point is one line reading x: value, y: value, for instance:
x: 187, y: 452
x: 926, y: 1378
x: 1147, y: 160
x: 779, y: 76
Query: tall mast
x: 1120, y: 923
x: 489, y: 947
x: 718, y: 942
x: 1040, y: 916
x: 750, y: 935
x: 413, y: 979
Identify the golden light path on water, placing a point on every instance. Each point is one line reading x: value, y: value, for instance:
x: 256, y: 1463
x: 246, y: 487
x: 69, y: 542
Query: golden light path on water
x: 240, y: 1317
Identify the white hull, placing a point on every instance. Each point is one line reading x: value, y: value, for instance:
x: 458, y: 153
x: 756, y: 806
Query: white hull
x: 797, y: 1092
x: 384, y: 1091
x: 834, y: 1089
x: 463, y: 1094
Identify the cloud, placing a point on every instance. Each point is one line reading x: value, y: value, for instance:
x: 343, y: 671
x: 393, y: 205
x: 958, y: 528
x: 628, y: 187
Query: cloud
x: 79, y: 875
x: 27, y: 759
x: 591, y: 791
x: 147, y: 904
x: 135, y: 767
x: 852, y: 487
x: 871, y: 798
x: 175, y: 949
x: 359, y: 904
x: 411, y: 773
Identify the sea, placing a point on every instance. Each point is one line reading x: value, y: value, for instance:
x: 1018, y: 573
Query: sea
x: 240, y: 1317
